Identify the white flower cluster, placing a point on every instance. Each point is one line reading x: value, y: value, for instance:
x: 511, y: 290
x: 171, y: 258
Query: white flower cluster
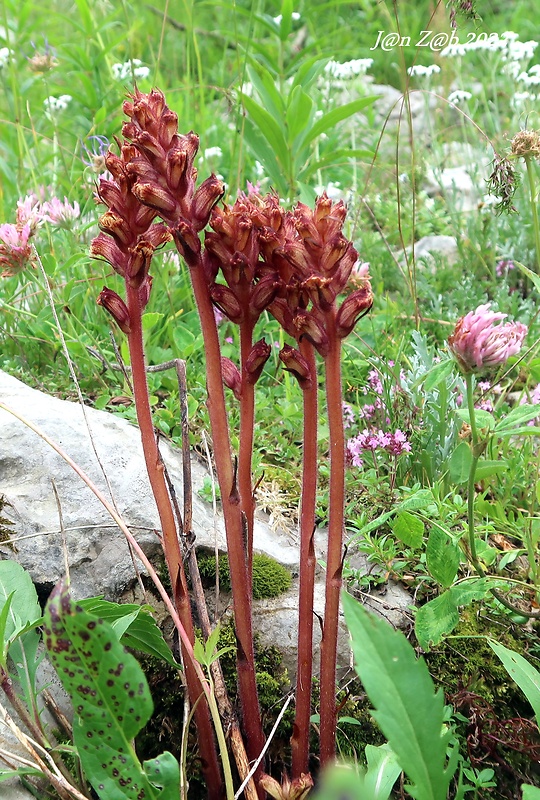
x: 531, y: 77
x: 54, y: 105
x: 348, y: 69
x: 5, y: 54
x: 507, y: 44
x: 130, y: 69
x: 459, y: 96
x: 213, y: 152
x: 421, y: 71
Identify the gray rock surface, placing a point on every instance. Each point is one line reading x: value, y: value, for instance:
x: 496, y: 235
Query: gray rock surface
x: 444, y: 247
x: 98, y: 556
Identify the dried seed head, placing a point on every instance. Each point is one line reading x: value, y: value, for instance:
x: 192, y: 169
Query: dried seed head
x: 526, y: 144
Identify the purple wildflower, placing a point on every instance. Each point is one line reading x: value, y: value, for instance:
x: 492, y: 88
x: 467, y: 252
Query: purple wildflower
x: 348, y: 415
x: 479, y: 341
x: 15, y: 250
x: 61, y: 214
x: 503, y: 267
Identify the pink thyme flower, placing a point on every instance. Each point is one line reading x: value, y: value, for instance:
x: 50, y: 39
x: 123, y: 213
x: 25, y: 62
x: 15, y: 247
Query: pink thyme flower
x: 61, y: 214
x: 480, y: 341
x: 15, y: 251
x: 503, y: 267
x: 348, y: 415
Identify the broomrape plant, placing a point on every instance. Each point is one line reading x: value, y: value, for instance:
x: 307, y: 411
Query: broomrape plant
x: 254, y: 257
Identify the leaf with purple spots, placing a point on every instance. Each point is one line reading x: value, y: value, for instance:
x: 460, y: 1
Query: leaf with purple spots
x: 110, y: 695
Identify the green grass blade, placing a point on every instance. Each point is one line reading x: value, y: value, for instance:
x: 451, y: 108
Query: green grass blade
x: 522, y: 672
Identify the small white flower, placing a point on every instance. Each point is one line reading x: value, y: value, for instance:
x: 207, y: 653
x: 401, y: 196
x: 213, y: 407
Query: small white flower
x: 453, y: 50
x: 5, y: 55
x: 213, y: 152
x: 459, y: 96
x: 348, y: 69
x: 53, y: 105
x: 420, y: 70
x: 134, y: 68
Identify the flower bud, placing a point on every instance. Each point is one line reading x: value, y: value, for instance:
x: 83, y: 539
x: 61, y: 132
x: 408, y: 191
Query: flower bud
x: 105, y: 247
x: 294, y: 362
x: 204, y: 200
x: 263, y: 294
x: 353, y: 307
x: 259, y: 355
x: 307, y: 325
x: 151, y: 194
x: 144, y: 291
x: 231, y: 376
x: 227, y: 302
x: 116, y: 307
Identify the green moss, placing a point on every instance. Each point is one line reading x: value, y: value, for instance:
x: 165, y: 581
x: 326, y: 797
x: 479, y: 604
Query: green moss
x: 491, y: 711
x: 270, y: 578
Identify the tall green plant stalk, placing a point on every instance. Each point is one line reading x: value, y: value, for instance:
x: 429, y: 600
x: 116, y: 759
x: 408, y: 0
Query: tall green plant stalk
x: 304, y: 669
x: 534, y: 208
x: 334, y: 559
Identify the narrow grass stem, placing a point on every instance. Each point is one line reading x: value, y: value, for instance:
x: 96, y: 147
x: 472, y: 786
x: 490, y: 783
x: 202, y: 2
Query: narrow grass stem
x: 472, y: 473
x: 534, y: 209
x: 334, y: 563
x: 171, y: 545
x: 232, y: 513
x: 304, y: 671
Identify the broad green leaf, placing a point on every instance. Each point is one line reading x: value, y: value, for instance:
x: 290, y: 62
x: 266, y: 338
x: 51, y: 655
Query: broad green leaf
x: 460, y: 462
x: 408, y: 529
x: 265, y: 86
x: 415, y: 501
x: 20, y: 637
x: 336, y: 157
x: 530, y: 792
x: 434, y: 620
x: 338, y: 114
x: 299, y: 112
x: 486, y: 468
x: 382, y: 772
x: 110, y: 697
x: 4, y: 615
x: 269, y: 128
x: 522, y: 672
x: 134, y: 626
x: 442, y: 557
x: 408, y: 710
x: 263, y: 151
x: 164, y: 773
x: 151, y: 319
x: 344, y: 782
x: 285, y: 27
x: 308, y: 71
x: 483, y: 418
x: 517, y: 417
x: 527, y: 430
x: 438, y: 373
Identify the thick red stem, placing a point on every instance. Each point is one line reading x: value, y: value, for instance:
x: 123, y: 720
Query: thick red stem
x: 245, y: 453
x: 328, y: 713
x: 232, y: 513
x: 171, y: 545
x: 300, y: 737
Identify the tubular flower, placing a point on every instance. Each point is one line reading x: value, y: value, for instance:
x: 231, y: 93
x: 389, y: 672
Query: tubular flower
x: 480, y: 341
x: 116, y: 307
x: 297, y: 789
